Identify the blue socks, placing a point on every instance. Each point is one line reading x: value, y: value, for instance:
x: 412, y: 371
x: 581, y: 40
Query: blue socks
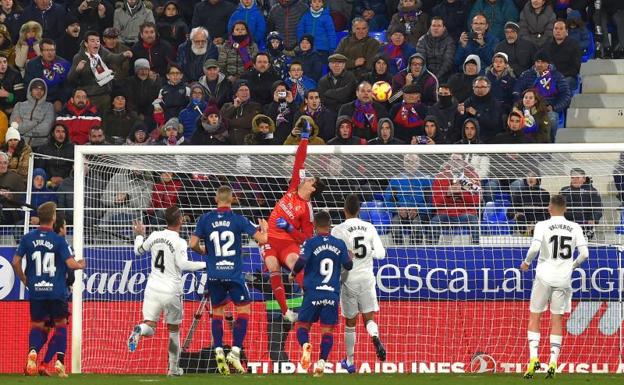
x: 217, y: 331
x: 327, y: 341
x: 58, y: 344
x: 37, y: 338
x: 240, y: 330
x: 303, y: 335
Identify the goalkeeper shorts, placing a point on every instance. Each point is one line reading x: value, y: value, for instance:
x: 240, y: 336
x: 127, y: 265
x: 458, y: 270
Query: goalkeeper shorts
x: 280, y: 249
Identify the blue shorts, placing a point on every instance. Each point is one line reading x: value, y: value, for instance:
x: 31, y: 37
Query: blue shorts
x: 48, y: 309
x: 219, y: 291
x: 315, y: 309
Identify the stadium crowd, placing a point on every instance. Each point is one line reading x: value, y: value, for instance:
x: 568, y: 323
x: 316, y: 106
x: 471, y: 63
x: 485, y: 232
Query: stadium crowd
x: 221, y: 72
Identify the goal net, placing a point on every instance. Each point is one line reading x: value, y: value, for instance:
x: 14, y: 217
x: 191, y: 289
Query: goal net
x: 456, y: 221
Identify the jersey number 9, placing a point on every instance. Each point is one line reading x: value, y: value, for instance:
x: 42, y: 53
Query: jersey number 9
x: 326, y: 269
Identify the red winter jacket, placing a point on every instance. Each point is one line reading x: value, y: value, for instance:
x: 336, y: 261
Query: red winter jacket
x: 165, y: 195
x: 463, y: 203
x: 79, y: 121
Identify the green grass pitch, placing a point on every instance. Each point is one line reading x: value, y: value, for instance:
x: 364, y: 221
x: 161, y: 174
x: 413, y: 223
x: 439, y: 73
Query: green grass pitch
x: 330, y: 379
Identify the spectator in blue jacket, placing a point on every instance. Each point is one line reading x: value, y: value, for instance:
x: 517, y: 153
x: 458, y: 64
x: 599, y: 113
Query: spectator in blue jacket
x: 189, y: 115
x: 318, y: 23
x: 53, y: 69
x: 298, y: 83
x: 502, y: 80
x: 249, y: 12
x: 497, y: 13
x: 193, y: 53
x: 374, y: 12
x: 398, y: 50
x: 550, y: 84
x: 479, y: 41
x: 311, y: 61
x: 48, y: 14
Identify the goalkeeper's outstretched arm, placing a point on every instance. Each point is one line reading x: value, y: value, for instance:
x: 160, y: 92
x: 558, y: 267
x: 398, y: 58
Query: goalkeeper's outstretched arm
x: 300, y: 157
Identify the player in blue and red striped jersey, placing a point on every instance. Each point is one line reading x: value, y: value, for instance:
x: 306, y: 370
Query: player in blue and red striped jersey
x: 290, y: 223
x: 48, y: 258
x: 321, y: 257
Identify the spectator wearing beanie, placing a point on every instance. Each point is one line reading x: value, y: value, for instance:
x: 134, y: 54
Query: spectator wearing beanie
x: 35, y: 116
x: 18, y: 152
x: 262, y: 131
x: 69, y: 44
x: 239, y: 113
x: 502, y: 80
x: 193, y: 111
x: 249, y: 12
x: 139, y: 136
x: 118, y: 120
x: 141, y: 90
x: 312, y: 61
x: 520, y: 51
x: 397, y: 50
x: 111, y: 41
x: 171, y: 133
x: 211, y: 128
x: 318, y: 23
x: 277, y: 57
x: 410, y: 16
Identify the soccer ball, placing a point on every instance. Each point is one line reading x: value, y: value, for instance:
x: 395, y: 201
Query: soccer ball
x: 482, y: 363
x: 382, y: 91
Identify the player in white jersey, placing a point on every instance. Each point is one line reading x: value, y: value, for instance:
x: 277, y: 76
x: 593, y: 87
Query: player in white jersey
x: 357, y: 294
x: 164, y: 289
x: 555, y: 240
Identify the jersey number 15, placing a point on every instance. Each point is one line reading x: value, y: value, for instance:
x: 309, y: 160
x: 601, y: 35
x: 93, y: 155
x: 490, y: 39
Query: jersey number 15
x: 561, y: 246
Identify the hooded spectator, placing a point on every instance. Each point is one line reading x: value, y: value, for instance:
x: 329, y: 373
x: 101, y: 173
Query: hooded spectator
x: 249, y: 12
x: 417, y: 74
x: 194, y: 110
x: 262, y: 131
x: 311, y: 61
x: 27, y: 46
x: 40, y: 193
x: 211, y: 128
x: 385, y: 134
x: 35, y: 116
x: 344, y: 133
x: 295, y: 135
x: 171, y: 25
x: 171, y: 133
x: 514, y: 133
x: 237, y: 53
x: 139, y: 136
x: 380, y: 71
x: 278, y: 58
x: 432, y: 132
x: 461, y: 83
x: 577, y: 30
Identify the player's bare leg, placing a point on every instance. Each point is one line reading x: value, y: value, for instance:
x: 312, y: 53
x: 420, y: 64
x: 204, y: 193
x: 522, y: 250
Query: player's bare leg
x: 373, y: 331
x: 174, y: 351
x: 350, y: 338
x: 556, y: 338
x: 327, y: 342
x: 217, y: 339
x: 303, y: 336
x: 36, y: 339
x: 239, y: 332
x: 145, y: 328
x: 533, y: 336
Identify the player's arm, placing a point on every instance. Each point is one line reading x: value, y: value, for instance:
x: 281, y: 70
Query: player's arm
x: 195, y: 246
x: 139, y: 238
x: 74, y: 264
x: 307, y: 229
x: 17, y: 267
x: 182, y: 259
x: 300, y: 156
x: 533, y: 249
x: 379, y: 251
x: 581, y: 247
x: 346, y: 259
x: 261, y: 234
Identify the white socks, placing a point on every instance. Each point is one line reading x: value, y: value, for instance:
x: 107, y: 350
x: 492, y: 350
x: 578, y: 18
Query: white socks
x: 534, y: 340
x: 350, y: 337
x: 146, y: 330
x: 372, y: 329
x: 555, y: 347
x: 174, y: 349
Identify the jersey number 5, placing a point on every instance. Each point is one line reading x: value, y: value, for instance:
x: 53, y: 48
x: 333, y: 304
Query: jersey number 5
x: 222, y: 250
x: 561, y: 246
x: 359, y: 249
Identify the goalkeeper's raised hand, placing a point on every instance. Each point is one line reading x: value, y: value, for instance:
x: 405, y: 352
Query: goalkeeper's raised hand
x: 284, y: 225
x: 306, y: 129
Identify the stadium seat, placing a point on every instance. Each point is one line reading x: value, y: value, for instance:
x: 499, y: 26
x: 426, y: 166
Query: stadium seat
x: 495, y: 220
x: 379, y: 36
x: 376, y: 213
x: 591, y: 49
x: 340, y: 35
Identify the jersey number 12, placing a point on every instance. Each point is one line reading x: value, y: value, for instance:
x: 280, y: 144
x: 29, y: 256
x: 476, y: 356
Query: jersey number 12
x: 222, y: 250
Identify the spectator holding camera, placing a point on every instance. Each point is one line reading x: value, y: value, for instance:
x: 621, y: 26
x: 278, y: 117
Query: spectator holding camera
x: 478, y: 41
x: 281, y: 110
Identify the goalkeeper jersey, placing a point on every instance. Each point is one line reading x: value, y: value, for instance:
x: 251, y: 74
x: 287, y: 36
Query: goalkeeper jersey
x: 364, y: 243
x: 296, y: 210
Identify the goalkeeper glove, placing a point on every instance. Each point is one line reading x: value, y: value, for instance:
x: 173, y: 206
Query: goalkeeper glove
x: 284, y: 225
x: 306, y: 130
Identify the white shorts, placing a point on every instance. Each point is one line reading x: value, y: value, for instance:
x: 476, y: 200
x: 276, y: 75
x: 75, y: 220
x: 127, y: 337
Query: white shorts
x: 358, y: 297
x: 155, y: 303
x: 541, y: 294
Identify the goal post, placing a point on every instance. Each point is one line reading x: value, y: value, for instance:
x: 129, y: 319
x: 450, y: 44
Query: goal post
x: 451, y: 292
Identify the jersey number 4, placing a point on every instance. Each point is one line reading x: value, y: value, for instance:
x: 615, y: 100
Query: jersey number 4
x: 561, y: 246
x: 159, y: 262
